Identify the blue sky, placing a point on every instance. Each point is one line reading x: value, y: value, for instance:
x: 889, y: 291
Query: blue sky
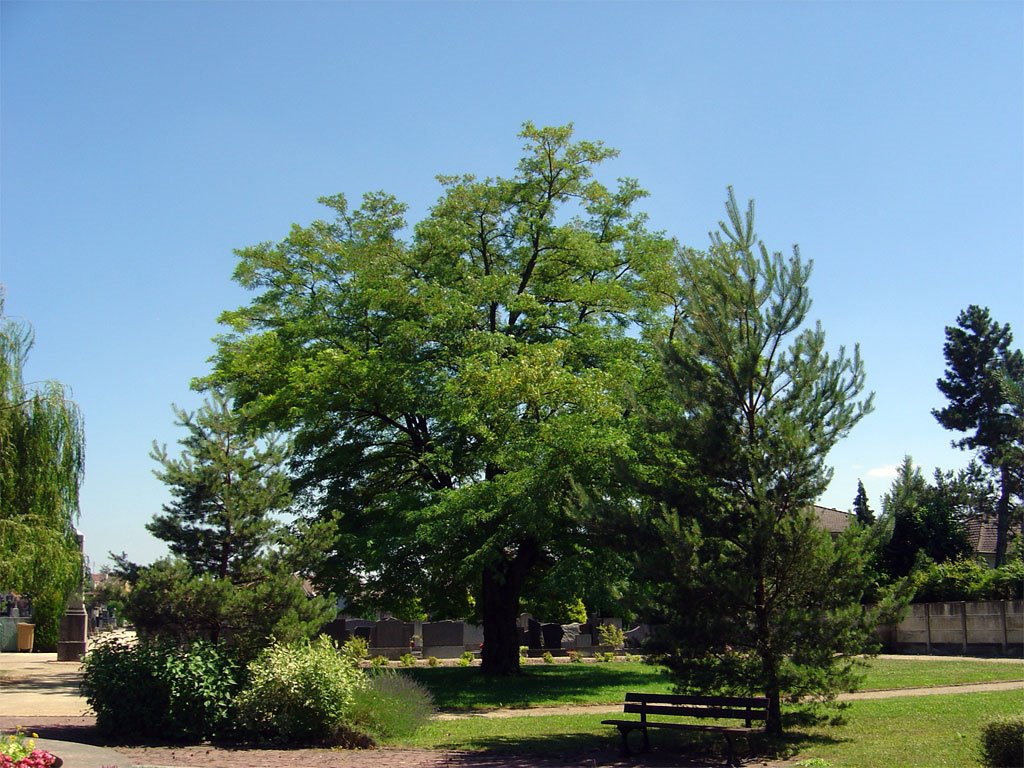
x: 142, y: 142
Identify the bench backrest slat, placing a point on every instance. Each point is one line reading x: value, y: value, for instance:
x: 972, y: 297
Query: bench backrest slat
x: 754, y: 702
x: 685, y: 711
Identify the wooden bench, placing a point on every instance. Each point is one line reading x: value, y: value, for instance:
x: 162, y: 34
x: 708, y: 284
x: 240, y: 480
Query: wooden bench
x: 662, y: 705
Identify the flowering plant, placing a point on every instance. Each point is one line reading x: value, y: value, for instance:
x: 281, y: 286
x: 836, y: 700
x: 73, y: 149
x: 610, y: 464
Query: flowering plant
x: 19, y: 751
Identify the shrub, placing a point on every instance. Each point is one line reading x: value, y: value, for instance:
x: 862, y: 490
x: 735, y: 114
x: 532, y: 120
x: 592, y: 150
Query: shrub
x: 390, y: 705
x: 299, y: 692
x: 1002, y: 743
x: 524, y: 651
x: 156, y: 689
x: 466, y: 659
x: 607, y: 656
x: 407, y: 660
x: 356, y: 649
x: 611, y: 635
x: 575, y: 657
x: 432, y: 661
x: 378, y: 661
x: 548, y: 658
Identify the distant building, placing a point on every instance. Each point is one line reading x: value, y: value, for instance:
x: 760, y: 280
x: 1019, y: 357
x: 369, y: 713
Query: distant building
x: 982, y: 535
x: 833, y: 520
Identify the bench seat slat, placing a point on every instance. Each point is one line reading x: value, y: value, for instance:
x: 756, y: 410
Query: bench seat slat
x: 756, y: 702
x: 684, y: 711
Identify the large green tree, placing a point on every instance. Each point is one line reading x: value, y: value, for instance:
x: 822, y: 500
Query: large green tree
x: 451, y: 394
x: 923, y: 519
x: 979, y: 363
x: 759, y: 597
x: 42, y: 454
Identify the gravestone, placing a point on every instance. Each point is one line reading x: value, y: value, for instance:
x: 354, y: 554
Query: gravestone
x: 391, y: 638
x: 533, y: 635
x: 444, y: 639
x: 472, y: 637
x: 570, y: 633
x: 336, y: 630
x: 552, y: 635
x: 74, y: 624
x: 635, y: 637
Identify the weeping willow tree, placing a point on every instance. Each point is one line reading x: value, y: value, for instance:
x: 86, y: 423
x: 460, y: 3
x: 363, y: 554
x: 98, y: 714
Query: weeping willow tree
x: 41, y: 464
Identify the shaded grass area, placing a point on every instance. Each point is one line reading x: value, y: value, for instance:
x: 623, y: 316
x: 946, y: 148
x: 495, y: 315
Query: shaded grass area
x: 915, y: 732
x: 464, y: 688
x: 539, y: 686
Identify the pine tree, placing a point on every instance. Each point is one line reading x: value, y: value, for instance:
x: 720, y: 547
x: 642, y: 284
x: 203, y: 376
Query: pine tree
x: 760, y: 598
x: 861, y: 508
x: 979, y: 364
x: 227, y: 487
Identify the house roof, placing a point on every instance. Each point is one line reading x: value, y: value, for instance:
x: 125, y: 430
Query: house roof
x: 832, y: 520
x: 982, y: 536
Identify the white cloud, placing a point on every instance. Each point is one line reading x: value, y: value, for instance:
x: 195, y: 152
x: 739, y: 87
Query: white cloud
x: 886, y: 470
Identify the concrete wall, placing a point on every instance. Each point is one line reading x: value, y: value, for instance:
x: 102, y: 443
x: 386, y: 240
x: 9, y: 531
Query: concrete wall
x: 990, y: 627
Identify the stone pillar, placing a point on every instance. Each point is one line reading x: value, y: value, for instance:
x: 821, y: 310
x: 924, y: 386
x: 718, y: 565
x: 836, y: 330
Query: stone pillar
x: 74, y: 624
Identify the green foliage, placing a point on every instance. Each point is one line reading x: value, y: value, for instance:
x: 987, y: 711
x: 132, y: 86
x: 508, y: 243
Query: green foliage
x: 390, y: 705
x: 226, y: 487
x: 167, y: 600
x: 967, y: 579
x: 982, y: 372
x: 355, y: 649
x: 924, y: 521
x: 407, y: 660
x: 861, y: 509
x: 575, y: 657
x: 466, y: 658
x: 606, y: 656
x: 759, y: 597
x: 157, y: 690
x: 433, y: 661
x: 299, y: 692
x: 451, y: 395
x: 378, y: 661
x: 611, y: 635
x: 1002, y: 742
x: 548, y: 658
x: 42, y: 460
x: 524, y: 651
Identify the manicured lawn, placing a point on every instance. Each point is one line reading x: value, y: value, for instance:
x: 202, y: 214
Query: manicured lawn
x: 914, y: 732
x: 915, y: 673
x: 460, y: 688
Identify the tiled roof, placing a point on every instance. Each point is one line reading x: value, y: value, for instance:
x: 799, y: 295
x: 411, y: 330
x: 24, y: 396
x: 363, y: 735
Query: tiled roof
x: 982, y: 536
x: 832, y: 520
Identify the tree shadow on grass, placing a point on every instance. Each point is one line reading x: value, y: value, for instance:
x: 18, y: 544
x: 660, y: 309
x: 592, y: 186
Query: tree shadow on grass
x: 466, y: 688
x: 667, y: 748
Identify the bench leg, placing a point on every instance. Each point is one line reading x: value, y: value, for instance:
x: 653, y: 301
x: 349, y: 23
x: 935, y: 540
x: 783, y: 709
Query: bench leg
x: 624, y: 732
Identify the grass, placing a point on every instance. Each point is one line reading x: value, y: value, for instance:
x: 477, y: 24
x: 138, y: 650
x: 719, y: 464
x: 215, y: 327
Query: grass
x: 914, y: 732
x: 462, y: 688
x: 884, y: 674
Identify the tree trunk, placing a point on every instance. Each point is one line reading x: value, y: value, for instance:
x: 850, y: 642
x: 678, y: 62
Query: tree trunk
x: 1003, y: 514
x: 501, y: 587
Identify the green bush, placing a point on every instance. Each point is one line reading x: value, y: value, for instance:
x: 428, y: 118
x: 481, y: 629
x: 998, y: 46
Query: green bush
x: 966, y: 579
x: 379, y: 661
x: 575, y: 657
x: 407, y: 660
x: 299, y: 692
x: 433, y: 661
x: 160, y: 690
x: 390, y: 705
x: 466, y: 658
x: 548, y: 658
x: 611, y: 635
x: 1002, y: 743
x: 356, y: 649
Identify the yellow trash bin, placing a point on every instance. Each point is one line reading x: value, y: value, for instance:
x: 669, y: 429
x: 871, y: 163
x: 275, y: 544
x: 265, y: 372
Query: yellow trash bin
x: 26, y: 636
